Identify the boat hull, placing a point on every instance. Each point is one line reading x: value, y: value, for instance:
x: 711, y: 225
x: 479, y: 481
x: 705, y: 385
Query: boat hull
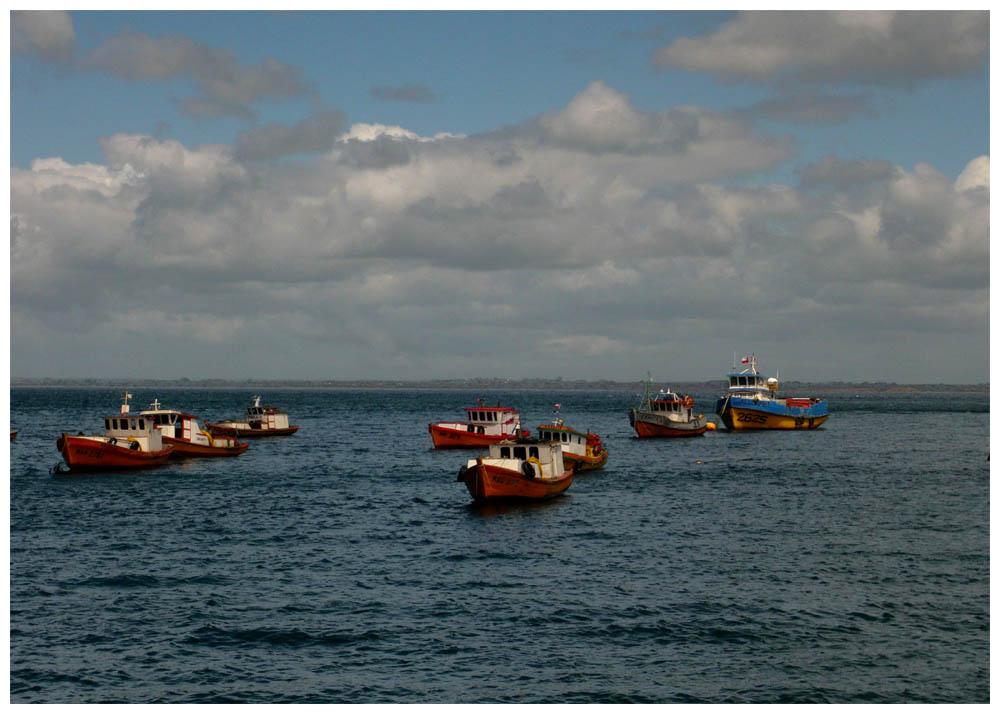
x: 488, y: 483
x: 648, y: 425
x: 585, y: 463
x: 445, y: 438
x: 83, y: 454
x: 246, y: 430
x: 185, y: 449
x: 743, y: 415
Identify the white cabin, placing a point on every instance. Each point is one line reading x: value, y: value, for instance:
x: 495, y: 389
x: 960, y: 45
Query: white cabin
x: 546, y: 458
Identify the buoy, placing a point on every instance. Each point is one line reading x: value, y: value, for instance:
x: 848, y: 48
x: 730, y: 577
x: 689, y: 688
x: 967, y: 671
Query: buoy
x: 697, y: 462
x: 710, y: 426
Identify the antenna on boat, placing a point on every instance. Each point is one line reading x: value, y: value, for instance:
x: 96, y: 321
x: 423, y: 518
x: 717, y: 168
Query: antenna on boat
x: 125, y: 398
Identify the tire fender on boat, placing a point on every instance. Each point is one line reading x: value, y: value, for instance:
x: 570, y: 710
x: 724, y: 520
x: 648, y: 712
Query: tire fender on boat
x: 527, y: 469
x: 461, y: 473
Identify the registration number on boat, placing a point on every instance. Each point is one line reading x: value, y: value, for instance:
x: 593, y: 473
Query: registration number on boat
x: 751, y: 418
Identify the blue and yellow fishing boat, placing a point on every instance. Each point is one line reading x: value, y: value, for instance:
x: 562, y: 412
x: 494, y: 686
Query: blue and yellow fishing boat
x: 751, y: 402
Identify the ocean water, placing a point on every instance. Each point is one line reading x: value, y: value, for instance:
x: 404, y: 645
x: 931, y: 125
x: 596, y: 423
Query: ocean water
x: 346, y: 564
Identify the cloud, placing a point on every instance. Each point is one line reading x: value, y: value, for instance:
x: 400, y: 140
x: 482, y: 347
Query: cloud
x: 416, y: 93
x: 46, y: 34
x: 393, y: 254
x: 869, y: 48
x: 313, y: 134
x: 226, y: 86
x: 811, y: 109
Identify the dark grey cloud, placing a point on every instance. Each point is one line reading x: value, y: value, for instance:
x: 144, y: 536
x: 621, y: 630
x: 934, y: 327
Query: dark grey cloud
x: 861, y: 47
x: 416, y: 93
x: 226, y: 85
x: 48, y: 35
x: 811, y: 109
x: 845, y: 175
x: 313, y: 134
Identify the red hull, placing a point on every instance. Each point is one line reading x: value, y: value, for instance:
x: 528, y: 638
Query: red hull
x: 454, y: 439
x: 182, y: 449
x: 491, y: 483
x: 82, y: 454
x: 648, y: 431
x: 238, y: 431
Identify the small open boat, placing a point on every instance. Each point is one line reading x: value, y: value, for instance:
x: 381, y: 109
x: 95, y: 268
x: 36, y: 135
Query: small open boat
x: 261, y: 421
x: 484, y: 426
x: 181, y: 431
x: 581, y: 452
x: 751, y: 402
x: 129, y: 442
x: 666, y: 414
x: 526, y: 469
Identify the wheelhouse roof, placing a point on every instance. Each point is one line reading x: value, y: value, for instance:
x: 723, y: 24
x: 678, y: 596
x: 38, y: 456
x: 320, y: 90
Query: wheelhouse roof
x: 491, y: 409
x: 158, y: 412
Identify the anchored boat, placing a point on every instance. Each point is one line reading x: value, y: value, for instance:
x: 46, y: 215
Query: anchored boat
x: 484, y: 426
x: 261, y: 421
x: 129, y: 442
x: 527, y: 469
x: 181, y: 431
x: 666, y: 414
x: 751, y: 402
x: 581, y: 452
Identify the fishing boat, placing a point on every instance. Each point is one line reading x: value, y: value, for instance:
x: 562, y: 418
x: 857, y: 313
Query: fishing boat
x: 260, y: 421
x: 666, y: 414
x: 483, y: 426
x: 181, y: 431
x: 581, y: 452
x: 526, y: 469
x: 751, y: 402
x: 129, y: 442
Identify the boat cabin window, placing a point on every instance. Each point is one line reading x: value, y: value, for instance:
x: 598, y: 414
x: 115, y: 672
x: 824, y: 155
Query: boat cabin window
x: 565, y: 436
x: 519, y: 452
x: 142, y: 425
x: 732, y: 381
x: 504, y: 452
x: 533, y: 451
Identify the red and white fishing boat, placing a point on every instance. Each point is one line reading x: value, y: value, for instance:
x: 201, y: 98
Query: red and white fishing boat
x: 181, y: 431
x: 485, y: 426
x: 261, y: 421
x: 525, y: 469
x: 129, y: 442
x: 666, y: 414
x: 581, y: 452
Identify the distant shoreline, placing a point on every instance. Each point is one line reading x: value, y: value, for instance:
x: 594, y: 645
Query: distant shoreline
x: 485, y: 384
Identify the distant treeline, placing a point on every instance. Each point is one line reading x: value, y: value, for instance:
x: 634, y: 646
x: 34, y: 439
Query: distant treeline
x: 485, y: 384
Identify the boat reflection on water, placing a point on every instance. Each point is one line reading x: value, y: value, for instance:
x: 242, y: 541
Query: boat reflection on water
x: 492, y: 509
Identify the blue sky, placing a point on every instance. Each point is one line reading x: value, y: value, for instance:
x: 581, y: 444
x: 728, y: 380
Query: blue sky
x: 382, y: 194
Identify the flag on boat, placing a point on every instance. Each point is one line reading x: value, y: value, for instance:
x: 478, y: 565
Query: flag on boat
x: 557, y: 407
x: 746, y: 360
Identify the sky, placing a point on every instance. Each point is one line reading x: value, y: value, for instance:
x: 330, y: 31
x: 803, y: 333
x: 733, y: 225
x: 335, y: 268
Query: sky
x: 422, y: 195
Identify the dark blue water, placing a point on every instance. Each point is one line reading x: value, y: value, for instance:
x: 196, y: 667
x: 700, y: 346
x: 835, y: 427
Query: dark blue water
x: 346, y: 564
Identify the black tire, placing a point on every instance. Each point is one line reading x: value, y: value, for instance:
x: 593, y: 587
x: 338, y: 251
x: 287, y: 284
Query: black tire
x: 528, y: 470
